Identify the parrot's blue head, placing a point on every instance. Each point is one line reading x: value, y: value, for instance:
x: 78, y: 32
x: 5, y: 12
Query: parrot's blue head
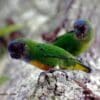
x: 21, y: 49
x: 81, y: 28
x: 16, y: 49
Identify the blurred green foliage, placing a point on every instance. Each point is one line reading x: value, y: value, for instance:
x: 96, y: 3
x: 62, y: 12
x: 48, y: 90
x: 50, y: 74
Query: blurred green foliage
x: 3, y: 80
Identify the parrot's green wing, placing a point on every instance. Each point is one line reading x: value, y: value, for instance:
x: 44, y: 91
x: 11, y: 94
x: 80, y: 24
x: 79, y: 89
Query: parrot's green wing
x: 72, y: 44
x: 53, y: 56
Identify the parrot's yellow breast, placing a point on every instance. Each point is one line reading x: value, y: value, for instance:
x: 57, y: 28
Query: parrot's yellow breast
x: 46, y: 67
x: 40, y: 65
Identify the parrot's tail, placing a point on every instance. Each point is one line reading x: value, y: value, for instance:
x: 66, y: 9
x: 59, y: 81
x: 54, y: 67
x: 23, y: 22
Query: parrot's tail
x: 83, y: 67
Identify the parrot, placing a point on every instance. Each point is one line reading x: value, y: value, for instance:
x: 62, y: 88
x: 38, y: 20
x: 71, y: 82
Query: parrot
x: 78, y: 40
x: 6, y: 36
x: 44, y: 55
x: 8, y: 29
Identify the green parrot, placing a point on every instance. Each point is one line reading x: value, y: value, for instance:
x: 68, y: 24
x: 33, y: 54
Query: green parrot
x: 78, y: 40
x: 4, y: 33
x: 44, y: 56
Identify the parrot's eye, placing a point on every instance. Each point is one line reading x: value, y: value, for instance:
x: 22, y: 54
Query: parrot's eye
x: 16, y: 49
x: 81, y: 28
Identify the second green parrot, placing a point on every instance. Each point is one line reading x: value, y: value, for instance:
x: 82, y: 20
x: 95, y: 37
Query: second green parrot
x: 44, y: 56
x: 5, y: 36
x: 78, y: 40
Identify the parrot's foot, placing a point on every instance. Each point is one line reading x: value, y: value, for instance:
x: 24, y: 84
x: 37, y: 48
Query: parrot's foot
x: 57, y: 84
x: 51, y: 70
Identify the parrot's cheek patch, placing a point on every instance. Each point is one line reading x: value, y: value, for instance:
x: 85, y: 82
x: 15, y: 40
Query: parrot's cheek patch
x: 16, y: 56
x: 81, y: 36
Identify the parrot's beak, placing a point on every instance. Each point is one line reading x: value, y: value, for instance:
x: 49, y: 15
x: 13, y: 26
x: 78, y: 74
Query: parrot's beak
x: 16, y: 50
